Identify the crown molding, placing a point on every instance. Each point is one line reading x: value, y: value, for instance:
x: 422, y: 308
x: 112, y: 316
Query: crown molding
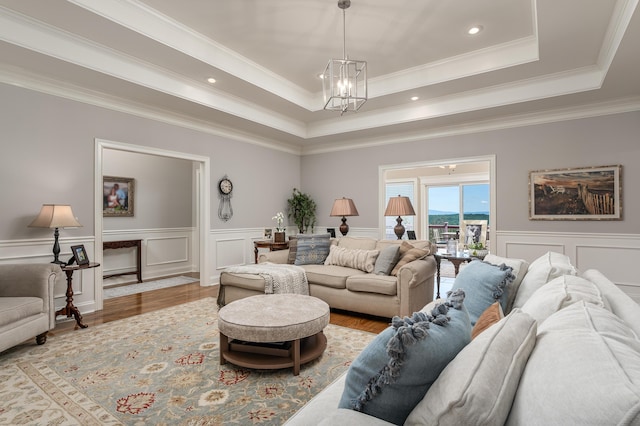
x: 40, y: 84
x: 618, y: 106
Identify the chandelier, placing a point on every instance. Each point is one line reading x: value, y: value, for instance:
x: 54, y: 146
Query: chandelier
x: 344, y: 81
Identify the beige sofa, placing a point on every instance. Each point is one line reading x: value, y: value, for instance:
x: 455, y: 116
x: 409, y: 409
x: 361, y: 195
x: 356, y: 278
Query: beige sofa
x: 26, y: 302
x: 577, y: 362
x: 347, y: 288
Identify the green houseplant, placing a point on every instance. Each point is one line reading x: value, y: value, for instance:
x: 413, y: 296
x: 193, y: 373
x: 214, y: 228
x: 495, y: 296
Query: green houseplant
x: 302, y: 209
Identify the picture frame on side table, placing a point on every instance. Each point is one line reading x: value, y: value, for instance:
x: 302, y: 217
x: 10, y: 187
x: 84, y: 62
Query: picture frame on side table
x: 80, y: 255
x: 411, y: 235
x: 268, y: 233
x: 118, y: 195
x: 332, y: 232
x: 588, y: 193
x: 473, y: 232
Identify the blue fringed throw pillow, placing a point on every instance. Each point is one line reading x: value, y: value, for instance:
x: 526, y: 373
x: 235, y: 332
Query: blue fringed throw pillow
x: 483, y: 285
x: 394, y: 372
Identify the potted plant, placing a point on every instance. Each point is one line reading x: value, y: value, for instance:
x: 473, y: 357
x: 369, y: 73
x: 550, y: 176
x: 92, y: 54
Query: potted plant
x: 279, y: 236
x: 478, y: 250
x: 302, y: 209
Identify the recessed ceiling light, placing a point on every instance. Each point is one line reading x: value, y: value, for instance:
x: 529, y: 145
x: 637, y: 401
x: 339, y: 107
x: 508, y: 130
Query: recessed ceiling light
x: 414, y: 98
x: 321, y: 76
x: 211, y: 80
x: 474, y: 30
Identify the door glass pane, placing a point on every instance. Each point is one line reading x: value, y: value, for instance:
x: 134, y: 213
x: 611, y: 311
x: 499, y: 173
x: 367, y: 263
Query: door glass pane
x: 475, y: 202
x: 443, y: 206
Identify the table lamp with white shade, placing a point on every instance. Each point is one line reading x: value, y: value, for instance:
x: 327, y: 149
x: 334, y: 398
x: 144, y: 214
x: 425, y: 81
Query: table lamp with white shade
x: 55, y: 216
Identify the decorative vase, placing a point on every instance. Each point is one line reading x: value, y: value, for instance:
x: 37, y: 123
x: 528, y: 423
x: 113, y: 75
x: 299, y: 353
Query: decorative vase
x: 452, y: 247
x: 278, y: 237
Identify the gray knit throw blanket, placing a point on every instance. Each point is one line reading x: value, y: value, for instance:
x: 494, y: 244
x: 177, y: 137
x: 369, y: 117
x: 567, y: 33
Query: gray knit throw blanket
x: 278, y: 278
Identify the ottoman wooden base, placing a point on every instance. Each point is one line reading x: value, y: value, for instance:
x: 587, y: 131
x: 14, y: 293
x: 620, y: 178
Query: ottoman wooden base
x: 264, y: 356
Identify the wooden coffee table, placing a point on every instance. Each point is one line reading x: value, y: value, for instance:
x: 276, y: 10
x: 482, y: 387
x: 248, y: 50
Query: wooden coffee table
x: 273, y: 331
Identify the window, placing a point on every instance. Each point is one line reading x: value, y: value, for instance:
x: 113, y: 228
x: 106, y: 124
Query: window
x: 452, y: 204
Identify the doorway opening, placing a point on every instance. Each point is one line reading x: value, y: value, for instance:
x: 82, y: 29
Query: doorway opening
x: 200, y: 205
x: 452, y: 190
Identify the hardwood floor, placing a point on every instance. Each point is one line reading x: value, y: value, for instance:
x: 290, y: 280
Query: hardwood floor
x: 135, y: 304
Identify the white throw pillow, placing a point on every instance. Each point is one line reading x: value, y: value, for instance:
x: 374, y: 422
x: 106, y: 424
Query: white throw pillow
x: 363, y: 260
x: 560, y: 293
x: 519, y: 266
x: 584, y: 370
x: 542, y: 270
x: 478, y: 386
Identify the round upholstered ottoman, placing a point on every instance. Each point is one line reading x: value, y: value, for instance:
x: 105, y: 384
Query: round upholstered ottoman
x: 271, y: 331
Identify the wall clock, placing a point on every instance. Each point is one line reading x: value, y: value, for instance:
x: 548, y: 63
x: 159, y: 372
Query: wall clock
x: 225, y: 187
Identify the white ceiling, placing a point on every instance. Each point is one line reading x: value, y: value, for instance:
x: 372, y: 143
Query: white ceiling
x: 533, y: 61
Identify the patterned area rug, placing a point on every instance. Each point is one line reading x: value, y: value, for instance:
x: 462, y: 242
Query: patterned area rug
x: 159, y: 368
x: 148, y: 286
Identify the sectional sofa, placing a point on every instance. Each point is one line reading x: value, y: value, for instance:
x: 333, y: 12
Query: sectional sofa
x: 405, y: 286
x: 564, y: 351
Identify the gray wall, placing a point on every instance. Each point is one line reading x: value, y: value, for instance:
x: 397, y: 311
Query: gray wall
x: 163, y: 190
x: 48, y: 157
x: 599, y: 141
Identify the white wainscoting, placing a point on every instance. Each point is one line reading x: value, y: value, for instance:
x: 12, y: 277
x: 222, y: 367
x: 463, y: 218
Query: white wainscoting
x: 41, y: 251
x: 612, y: 254
x: 167, y: 251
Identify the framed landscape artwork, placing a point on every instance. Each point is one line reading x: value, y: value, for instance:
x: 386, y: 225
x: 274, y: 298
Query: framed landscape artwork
x: 473, y: 232
x: 592, y: 193
x: 117, y: 196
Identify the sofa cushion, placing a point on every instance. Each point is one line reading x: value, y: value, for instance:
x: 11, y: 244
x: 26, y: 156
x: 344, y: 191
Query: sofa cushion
x: 560, y: 293
x: 14, y: 309
x: 490, y: 316
x: 371, y: 283
x: 361, y: 243
x: 363, y: 260
x: 584, y: 369
x: 387, y: 259
x: 312, y: 249
x: 519, y: 266
x: 394, y: 372
x: 484, y: 284
x: 330, y: 275
x: 542, y: 270
x: 408, y: 253
x: 478, y: 386
x: 247, y: 281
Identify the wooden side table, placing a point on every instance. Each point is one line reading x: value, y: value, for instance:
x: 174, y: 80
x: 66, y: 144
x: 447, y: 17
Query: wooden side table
x: 271, y: 245
x: 127, y: 244
x: 456, y: 260
x: 70, y: 309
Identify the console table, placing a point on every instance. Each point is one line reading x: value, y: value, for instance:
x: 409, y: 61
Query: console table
x: 271, y: 245
x: 126, y: 244
x: 70, y: 309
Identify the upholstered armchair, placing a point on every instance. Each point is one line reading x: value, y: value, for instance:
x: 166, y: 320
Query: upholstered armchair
x: 26, y: 302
